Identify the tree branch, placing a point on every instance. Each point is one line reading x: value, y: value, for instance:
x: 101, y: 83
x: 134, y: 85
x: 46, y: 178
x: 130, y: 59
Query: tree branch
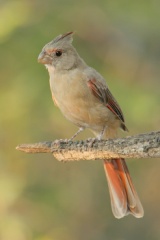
x: 140, y: 146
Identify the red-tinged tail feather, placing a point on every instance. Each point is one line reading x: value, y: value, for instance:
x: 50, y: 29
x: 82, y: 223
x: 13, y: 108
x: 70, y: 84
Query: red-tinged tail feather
x: 124, y: 198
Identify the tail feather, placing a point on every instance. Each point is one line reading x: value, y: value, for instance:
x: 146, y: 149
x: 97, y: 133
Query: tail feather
x: 124, y: 198
x: 116, y: 189
x: 135, y: 205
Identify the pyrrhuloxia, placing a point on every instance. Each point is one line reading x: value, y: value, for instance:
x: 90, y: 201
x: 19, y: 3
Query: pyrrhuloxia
x: 83, y: 96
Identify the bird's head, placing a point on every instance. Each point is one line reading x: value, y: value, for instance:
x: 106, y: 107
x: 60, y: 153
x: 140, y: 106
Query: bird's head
x: 59, y: 53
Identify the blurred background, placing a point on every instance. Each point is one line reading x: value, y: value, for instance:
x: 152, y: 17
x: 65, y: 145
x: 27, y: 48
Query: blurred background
x: 40, y: 198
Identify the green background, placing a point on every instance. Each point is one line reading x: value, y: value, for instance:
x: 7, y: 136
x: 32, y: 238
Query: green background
x: 43, y: 199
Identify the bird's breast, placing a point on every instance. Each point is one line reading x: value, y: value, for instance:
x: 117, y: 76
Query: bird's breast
x: 71, y: 95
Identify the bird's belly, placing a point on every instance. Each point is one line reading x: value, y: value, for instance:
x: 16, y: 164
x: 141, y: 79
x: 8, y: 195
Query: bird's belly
x: 84, y: 113
x: 80, y: 106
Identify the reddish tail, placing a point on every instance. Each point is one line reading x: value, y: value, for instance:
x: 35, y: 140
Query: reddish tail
x: 124, y: 199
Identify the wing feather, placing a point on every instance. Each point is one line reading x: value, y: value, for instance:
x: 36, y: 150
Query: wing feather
x: 102, y: 92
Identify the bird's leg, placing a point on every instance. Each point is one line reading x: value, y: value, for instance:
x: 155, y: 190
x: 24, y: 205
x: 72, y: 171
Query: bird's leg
x: 58, y: 142
x: 100, y: 135
x: 75, y: 135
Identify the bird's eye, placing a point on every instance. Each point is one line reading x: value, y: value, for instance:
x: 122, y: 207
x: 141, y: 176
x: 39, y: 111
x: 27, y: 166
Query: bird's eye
x: 58, y: 53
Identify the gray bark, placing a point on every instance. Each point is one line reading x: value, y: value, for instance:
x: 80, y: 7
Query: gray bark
x: 141, y: 146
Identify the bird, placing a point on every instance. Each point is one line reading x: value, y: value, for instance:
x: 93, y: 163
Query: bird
x: 84, y: 98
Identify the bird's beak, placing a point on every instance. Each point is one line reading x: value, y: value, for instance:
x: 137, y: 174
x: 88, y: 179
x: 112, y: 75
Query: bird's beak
x: 44, y: 58
x: 41, y: 57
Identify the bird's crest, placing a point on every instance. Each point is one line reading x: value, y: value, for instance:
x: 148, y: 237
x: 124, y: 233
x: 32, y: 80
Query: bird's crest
x: 64, y: 37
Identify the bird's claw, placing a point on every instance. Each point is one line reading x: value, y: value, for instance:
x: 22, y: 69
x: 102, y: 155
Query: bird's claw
x: 58, y: 142
x: 91, y: 141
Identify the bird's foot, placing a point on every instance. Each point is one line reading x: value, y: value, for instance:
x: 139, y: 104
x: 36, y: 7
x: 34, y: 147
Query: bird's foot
x: 58, y: 142
x: 91, y: 141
